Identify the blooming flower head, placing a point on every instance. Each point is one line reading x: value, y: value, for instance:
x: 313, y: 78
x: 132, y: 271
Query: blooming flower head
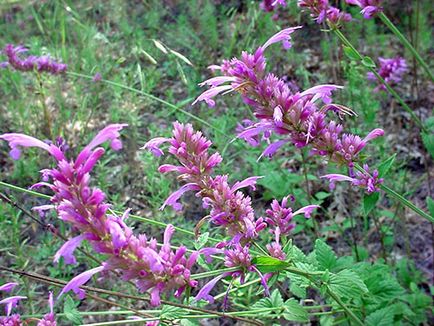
x: 229, y: 207
x: 391, y: 70
x: 280, y: 216
x: 137, y: 258
x: 369, y: 182
x: 31, y: 63
x: 50, y: 318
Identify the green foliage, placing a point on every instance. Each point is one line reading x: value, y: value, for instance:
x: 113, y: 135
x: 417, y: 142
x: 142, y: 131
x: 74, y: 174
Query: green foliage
x: 71, y: 312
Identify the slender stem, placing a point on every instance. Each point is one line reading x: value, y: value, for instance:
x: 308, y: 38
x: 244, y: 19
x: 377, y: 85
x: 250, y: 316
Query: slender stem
x: 392, y: 193
x: 342, y: 304
x: 60, y: 283
x: 406, y: 43
x: 47, y: 116
x: 152, y: 97
x: 346, y: 42
x: 213, y: 273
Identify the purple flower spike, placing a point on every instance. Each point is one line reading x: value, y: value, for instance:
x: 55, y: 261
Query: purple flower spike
x: 32, y: 63
x: 391, y: 70
x: 369, y: 7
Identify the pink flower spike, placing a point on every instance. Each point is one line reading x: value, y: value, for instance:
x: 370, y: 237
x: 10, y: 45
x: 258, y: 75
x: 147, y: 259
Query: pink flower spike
x: 172, y: 200
x: 307, y: 210
x: 67, y: 250
x: 282, y: 36
x: 8, y: 287
x: 78, y: 281
x: 374, y: 134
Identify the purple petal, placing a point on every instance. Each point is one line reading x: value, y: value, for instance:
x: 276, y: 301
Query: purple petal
x: 78, y: 281
x: 67, y: 250
x: 272, y: 148
x: 210, y: 93
x: 374, y: 134
x: 8, y: 287
x: 307, y: 210
x: 282, y: 36
x: 204, y: 292
x: 153, y: 145
x: 249, y: 182
x: 172, y: 200
x: 11, y: 303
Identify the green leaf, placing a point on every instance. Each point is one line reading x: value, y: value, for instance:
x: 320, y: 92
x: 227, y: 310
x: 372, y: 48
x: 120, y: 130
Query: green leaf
x: 368, y: 62
x: 382, y: 317
x: 267, y: 264
x: 428, y: 141
x: 430, y: 204
x: 369, y: 202
x: 324, y: 255
x: 294, y: 311
x: 273, y: 301
x: 347, y: 284
x: 351, y: 54
x: 170, y: 312
x: 201, y: 240
x: 385, y: 166
x: 71, y: 312
x: 321, y: 195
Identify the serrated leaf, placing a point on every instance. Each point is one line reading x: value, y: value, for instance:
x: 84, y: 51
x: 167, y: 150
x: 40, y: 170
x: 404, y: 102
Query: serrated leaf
x: 385, y: 166
x: 368, y: 62
x: 369, y: 202
x: 382, y: 317
x: 347, y: 284
x: 273, y: 301
x: 324, y: 255
x: 267, y: 264
x: 71, y: 312
x: 170, y: 312
x: 294, y: 311
x: 160, y: 46
x: 182, y: 57
x: 351, y: 54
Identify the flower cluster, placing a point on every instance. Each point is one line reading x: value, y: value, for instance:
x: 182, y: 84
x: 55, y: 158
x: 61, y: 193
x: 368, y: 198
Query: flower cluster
x: 135, y: 257
x: 11, y: 302
x: 229, y: 207
x: 272, y: 6
x: 299, y: 117
x: 369, y: 7
x: 31, y: 62
x: 321, y: 11
x: 362, y: 179
x: 391, y: 70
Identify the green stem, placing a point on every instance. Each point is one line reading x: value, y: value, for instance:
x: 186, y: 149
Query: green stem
x: 406, y: 43
x: 342, y: 304
x: 347, y: 43
x: 213, y: 273
x: 152, y: 97
x: 392, y: 193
